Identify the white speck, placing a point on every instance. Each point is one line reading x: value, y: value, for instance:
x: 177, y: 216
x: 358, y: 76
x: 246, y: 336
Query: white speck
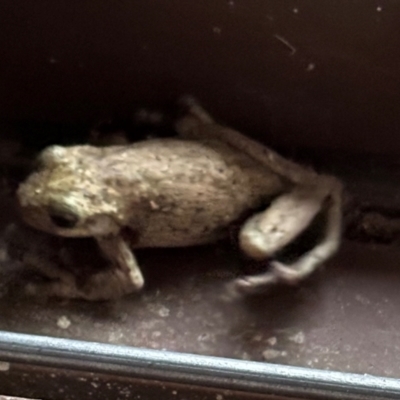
x: 272, y: 341
x: 174, y: 392
x: 154, y: 205
x: 271, y: 354
x: 217, y: 30
x: 231, y: 3
x: 163, y: 312
x: 4, y: 366
x: 297, y: 338
x: 94, y: 384
x: 257, y: 338
x: 125, y: 392
x: 52, y: 60
x: 310, y: 67
x: 115, y: 336
x: 219, y: 397
x: 363, y: 300
x: 379, y: 8
x: 203, y: 337
x: 63, y: 322
x: 296, y: 10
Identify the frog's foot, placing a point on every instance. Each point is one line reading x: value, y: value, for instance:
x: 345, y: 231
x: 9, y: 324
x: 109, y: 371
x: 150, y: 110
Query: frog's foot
x: 111, y: 284
x: 117, y: 250
x: 249, y: 285
x: 288, y: 274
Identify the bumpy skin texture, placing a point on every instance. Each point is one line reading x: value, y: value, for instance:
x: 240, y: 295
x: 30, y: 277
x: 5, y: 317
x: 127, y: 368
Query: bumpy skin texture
x: 183, y: 192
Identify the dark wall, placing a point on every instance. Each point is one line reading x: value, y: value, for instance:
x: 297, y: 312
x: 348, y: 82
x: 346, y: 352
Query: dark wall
x: 322, y: 73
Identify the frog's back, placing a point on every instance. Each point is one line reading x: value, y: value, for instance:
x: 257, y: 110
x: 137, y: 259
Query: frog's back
x: 194, y: 189
x: 190, y: 161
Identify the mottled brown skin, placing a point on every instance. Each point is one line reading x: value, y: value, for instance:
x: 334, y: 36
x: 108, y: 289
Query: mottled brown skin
x: 183, y: 192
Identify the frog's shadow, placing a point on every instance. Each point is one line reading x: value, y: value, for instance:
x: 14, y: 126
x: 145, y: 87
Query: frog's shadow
x: 210, y: 269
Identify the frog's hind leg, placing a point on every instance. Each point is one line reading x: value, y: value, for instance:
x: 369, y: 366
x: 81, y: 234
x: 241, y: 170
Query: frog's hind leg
x: 266, y: 233
x: 199, y: 125
x: 193, y: 119
x: 190, y: 106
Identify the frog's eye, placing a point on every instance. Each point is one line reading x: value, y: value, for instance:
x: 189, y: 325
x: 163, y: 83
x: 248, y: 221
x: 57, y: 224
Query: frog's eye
x: 52, y: 156
x: 62, y: 218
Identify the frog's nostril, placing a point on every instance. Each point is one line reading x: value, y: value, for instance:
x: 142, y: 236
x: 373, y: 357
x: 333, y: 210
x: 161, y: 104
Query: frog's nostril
x: 63, y: 219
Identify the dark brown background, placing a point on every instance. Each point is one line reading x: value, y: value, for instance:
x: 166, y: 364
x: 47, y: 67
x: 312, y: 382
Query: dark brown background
x: 73, y: 61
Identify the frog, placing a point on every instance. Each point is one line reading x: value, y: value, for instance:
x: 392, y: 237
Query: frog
x: 183, y: 191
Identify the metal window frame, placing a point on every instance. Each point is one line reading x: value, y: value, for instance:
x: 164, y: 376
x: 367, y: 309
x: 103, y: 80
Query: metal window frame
x: 246, y: 376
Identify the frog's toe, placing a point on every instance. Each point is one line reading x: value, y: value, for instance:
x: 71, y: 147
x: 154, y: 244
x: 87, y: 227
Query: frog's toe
x: 136, y: 279
x: 243, y: 284
x: 237, y: 289
x: 254, y: 284
x: 285, y: 273
x: 253, y: 243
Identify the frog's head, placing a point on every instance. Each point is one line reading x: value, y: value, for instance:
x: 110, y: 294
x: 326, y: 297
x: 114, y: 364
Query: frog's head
x: 65, y: 196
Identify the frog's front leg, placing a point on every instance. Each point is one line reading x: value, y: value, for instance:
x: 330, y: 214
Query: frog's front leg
x: 103, y: 285
x: 267, y: 232
x: 63, y: 283
x: 117, y: 250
